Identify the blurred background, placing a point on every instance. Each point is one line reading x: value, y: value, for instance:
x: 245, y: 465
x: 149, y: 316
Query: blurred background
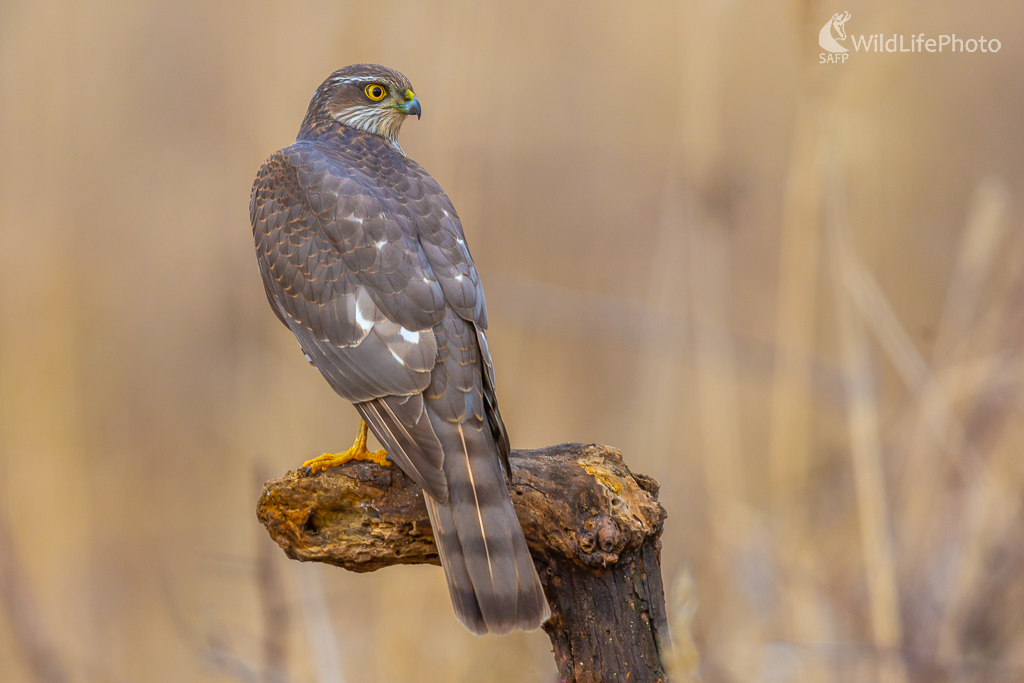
x: 791, y: 292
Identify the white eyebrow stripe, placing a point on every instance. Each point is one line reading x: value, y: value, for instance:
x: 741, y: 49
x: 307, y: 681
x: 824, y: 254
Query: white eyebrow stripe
x: 357, y: 79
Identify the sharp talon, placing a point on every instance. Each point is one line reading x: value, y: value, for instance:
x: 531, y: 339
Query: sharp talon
x: 357, y: 452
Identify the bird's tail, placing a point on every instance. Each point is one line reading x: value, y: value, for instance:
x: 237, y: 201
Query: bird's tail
x: 491, y: 576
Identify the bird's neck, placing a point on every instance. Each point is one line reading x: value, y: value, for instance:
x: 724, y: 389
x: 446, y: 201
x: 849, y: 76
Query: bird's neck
x: 325, y: 128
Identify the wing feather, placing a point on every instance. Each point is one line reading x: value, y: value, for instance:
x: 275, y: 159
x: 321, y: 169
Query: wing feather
x: 407, y: 436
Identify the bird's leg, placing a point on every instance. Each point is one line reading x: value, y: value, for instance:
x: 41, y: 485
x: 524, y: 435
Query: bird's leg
x: 357, y: 452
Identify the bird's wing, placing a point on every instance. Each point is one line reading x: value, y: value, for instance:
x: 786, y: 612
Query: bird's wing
x: 444, y: 244
x: 494, y: 420
x: 344, y: 270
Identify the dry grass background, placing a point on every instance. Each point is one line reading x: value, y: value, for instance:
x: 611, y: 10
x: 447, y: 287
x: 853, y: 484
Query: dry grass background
x: 792, y: 293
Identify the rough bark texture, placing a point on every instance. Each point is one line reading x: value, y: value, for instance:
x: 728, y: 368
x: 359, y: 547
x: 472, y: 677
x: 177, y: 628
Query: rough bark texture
x: 592, y: 525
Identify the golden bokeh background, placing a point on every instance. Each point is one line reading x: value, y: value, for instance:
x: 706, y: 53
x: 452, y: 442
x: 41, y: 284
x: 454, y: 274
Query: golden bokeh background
x: 791, y: 292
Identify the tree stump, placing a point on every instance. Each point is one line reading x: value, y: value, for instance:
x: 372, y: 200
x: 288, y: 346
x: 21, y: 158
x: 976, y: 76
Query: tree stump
x: 593, y: 528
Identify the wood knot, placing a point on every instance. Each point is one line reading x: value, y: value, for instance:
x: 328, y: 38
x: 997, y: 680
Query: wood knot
x: 600, y: 541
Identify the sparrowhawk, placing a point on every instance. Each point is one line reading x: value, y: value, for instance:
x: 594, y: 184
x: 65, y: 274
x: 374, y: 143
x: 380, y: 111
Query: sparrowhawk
x: 364, y: 259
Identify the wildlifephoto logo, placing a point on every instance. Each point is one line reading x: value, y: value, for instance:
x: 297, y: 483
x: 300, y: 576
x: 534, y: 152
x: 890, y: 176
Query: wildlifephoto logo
x: 834, y: 31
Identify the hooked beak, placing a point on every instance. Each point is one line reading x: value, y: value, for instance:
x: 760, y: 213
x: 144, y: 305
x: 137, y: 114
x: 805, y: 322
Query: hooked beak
x: 412, y: 106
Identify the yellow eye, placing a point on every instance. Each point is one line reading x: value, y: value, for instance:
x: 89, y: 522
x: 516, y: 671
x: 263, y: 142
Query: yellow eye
x: 375, y: 92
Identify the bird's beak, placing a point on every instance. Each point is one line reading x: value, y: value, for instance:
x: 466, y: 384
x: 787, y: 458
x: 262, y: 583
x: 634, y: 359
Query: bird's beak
x: 412, y: 106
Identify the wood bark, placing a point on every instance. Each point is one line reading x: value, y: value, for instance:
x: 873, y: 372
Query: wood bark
x: 593, y: 528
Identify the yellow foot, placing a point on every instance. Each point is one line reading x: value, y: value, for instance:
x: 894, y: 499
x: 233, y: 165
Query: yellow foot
x: 357, y: 452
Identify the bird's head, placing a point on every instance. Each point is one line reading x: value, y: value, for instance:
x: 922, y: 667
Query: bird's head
x: 368, y: 97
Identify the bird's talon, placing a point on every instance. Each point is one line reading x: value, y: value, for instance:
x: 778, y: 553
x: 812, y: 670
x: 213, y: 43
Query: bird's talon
x: 380, y: 457
x: 357, y: 452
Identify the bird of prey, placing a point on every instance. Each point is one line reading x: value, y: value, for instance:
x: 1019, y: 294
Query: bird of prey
x: 364, y: 259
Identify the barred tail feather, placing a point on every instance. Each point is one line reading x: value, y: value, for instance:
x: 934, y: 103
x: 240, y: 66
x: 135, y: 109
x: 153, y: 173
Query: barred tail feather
x: 491, y: 576
x: 460, y: 586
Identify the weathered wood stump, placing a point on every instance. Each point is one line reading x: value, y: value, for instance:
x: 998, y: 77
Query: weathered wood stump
x: 593, y: 528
